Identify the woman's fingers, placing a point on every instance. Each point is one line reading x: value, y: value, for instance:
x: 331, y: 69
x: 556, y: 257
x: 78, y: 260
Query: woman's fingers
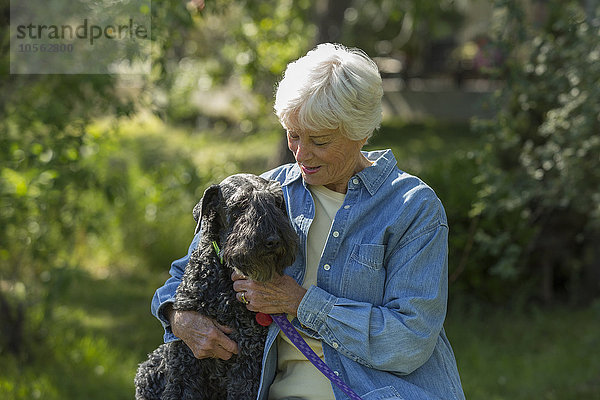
x: 205, y: 337
x: 282, y: 294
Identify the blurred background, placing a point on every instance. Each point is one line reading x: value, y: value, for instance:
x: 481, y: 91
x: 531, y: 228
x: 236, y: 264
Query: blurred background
x: 495, y: 104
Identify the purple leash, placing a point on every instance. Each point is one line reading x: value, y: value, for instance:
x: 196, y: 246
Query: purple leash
x: 291, y: 332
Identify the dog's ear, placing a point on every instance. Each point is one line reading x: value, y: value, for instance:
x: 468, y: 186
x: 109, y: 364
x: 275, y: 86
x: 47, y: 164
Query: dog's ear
x: 209, y: 201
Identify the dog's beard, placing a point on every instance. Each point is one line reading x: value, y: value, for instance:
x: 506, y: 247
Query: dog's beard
x: 261, y: 267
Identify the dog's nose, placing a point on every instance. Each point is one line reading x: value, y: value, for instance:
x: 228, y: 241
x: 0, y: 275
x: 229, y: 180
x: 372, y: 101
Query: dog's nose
x: 272, y: 242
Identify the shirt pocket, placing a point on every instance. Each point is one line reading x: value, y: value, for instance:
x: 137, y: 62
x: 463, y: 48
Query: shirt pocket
x: 369, y: 255
x: 386, y: 393
x: 364, y: 276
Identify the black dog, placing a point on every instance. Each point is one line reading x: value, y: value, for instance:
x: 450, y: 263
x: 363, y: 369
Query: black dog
x: 245, y: 217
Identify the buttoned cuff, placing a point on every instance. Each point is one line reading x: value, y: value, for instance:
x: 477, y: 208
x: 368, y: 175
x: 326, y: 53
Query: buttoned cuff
x: 315, y: 307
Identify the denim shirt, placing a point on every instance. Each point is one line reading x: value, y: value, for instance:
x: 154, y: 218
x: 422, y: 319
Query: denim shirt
x: 380, y: 300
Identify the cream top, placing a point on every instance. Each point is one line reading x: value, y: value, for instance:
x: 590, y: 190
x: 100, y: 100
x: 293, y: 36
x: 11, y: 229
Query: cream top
x: 296, y: 376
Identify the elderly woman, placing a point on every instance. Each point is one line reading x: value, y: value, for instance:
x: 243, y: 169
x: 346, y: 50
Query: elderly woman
x: 368, y: 289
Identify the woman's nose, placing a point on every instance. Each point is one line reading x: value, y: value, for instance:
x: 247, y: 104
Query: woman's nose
x: 302, y: 152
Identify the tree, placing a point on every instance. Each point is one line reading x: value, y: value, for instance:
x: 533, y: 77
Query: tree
x: 45, y: 180
x: 539, y: 200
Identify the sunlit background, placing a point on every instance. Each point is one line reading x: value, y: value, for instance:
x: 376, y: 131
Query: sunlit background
x: 495, y: 104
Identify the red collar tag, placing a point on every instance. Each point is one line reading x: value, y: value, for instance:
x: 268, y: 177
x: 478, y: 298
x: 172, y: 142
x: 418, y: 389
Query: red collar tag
x: 263, y: 319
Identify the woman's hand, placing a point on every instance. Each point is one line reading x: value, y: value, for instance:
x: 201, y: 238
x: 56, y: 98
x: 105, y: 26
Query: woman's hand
x: 204, y: 336
x: 281, y: 294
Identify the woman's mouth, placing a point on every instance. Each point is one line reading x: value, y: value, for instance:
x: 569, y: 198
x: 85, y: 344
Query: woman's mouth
x: 309, y: 170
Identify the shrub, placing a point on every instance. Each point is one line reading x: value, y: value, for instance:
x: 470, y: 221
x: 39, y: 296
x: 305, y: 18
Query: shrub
x: 538, y: 203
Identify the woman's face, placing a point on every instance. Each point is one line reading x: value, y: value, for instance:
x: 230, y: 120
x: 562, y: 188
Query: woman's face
x: 327, y: 157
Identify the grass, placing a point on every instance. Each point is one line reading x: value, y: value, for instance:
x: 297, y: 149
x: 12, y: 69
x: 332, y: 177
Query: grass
x: 543, y: 354
x: 99, y: 327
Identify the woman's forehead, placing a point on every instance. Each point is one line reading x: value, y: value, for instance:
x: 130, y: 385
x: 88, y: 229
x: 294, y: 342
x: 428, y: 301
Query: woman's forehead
x: 314, y: 133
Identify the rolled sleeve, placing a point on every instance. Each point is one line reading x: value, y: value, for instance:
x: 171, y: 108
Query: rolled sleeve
x: 315, y: 307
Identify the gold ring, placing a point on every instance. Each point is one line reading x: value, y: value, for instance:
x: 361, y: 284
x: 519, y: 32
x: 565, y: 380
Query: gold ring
x: 243, y: 296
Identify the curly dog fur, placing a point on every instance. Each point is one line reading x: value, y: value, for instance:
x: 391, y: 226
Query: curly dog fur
x: 246, y: 216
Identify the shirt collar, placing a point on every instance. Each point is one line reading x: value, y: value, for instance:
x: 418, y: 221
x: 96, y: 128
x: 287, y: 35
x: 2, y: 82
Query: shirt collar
x: 372, y: 177
x: 384, y: 163
x: 292, y: 175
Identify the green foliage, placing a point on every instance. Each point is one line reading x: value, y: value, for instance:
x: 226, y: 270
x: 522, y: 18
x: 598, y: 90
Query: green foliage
x: 43, y: 146
x: 400, y: 28
x: 538, y: 205
x: 255, y: 41
x: 65, y: 186
x: 228, y: 64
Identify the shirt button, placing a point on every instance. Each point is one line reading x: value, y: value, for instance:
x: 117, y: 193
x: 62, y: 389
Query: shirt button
x: 346, y: 207
x: 355, y: 181
x: 335, y: 345
x: 336, y: 234
x: 337, y: 373
x: 326, y: 267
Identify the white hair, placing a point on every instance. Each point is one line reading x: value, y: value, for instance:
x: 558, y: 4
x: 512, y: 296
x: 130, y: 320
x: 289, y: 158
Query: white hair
x: 331, y: 88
